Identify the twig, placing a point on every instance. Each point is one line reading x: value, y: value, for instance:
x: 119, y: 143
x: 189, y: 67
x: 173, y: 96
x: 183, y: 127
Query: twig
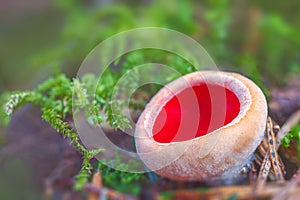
x: 285, y: 129
x: 273, y: 152
x: 229, y: 192
x: 107, y: 193
x: 263, y: 172
x: 97, y: 181
x: 284, y: 192
x: 266, y: 165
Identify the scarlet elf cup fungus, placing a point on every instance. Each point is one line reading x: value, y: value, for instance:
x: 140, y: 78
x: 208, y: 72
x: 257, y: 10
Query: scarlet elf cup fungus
x: 204, y: 125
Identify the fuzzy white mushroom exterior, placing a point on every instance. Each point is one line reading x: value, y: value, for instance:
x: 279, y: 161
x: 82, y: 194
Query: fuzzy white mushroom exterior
x: 219, y: 154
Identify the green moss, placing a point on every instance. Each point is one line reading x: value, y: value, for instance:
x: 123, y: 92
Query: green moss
x: 118, y: 178
x: 292, y: 135
x: 167, y: 195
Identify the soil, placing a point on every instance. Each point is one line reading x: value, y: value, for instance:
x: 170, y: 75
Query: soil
x: 52, y: 162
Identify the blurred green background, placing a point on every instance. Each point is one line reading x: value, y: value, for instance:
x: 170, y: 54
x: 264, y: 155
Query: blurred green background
x: 260, y: 39
x: 257, y: 38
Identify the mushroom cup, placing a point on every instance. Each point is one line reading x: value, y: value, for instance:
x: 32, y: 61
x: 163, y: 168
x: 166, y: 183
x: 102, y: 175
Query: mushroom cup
x: 202, y: 126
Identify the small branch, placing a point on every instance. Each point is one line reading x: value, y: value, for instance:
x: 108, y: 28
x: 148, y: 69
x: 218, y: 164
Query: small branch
x: 228, y: 192
x: 285, y: 129
x: 284, y: 192
x: 266, y: 164
x: 97, y: 181
x: 263, y: 172
x: 273, y: 153
x: 106, y: 193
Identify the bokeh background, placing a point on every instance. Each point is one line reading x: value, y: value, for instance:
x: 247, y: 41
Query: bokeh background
x: 260, y: 39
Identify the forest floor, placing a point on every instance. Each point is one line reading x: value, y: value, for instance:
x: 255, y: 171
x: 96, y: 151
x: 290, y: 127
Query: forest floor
x: 52, y: 163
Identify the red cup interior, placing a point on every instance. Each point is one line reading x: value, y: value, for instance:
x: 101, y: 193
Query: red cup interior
x: 195, y: 112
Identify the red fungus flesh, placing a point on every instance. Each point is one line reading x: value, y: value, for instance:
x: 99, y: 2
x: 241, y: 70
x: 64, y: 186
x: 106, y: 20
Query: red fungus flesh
x: 194, y: 112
